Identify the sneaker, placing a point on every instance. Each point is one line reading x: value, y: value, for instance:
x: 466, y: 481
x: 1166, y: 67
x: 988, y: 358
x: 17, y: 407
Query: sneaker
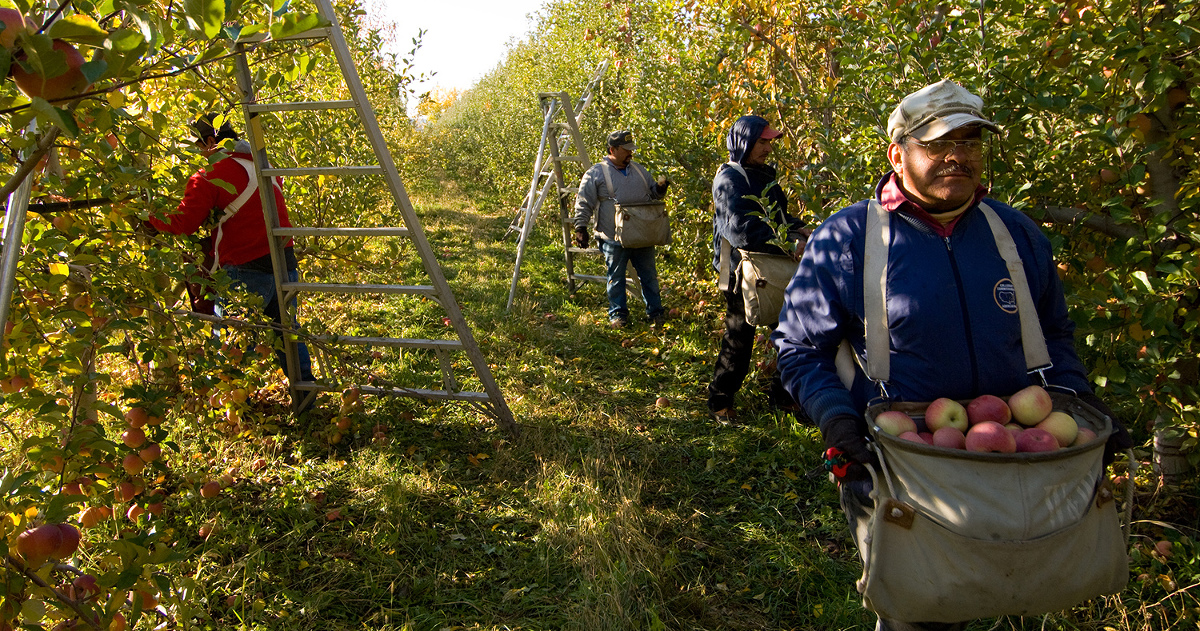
x: 726, y: 417
x: 618, y: 322
x: 659, y: 320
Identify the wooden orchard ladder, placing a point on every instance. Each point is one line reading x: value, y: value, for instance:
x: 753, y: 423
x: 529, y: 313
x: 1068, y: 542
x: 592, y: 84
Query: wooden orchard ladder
x: 491, y: 400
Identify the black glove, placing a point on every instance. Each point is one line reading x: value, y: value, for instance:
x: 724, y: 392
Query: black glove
x: 1120, y: 440
x: 581, y: 238
x: 848, y: 436
x: 662, y: 186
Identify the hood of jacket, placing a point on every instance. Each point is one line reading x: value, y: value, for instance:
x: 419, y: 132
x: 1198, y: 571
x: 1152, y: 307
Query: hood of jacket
x: 744, y: 133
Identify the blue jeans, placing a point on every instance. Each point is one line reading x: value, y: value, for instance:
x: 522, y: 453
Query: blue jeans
x: 617, y: 258
x: 263, y: 284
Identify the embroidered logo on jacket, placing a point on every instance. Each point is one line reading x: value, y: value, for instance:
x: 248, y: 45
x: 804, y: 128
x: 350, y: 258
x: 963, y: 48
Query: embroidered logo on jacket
x: 1005, y: 295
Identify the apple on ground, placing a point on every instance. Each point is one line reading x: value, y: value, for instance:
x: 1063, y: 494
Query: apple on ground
x: 1035, y: 439
x: 1085, y: 436
x: 895, y: 423
x: 990, y: 437
x: 1030, y: 405
x: 950, y: 437
x: 945, y: 412
x: 1062, y: 426
x: 210, y: 489
x: 988, y: 407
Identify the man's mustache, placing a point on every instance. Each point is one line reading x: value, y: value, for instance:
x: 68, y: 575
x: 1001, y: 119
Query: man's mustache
x: 951, y: 169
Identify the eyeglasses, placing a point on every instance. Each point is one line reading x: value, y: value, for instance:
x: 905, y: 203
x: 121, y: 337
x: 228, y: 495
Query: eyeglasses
x: 941, y: 149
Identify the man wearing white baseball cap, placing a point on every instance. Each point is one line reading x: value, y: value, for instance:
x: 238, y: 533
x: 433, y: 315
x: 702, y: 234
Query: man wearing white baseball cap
x: 952, y: 323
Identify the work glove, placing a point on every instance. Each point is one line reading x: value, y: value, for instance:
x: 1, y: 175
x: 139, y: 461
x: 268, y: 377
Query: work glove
x: 662, y: 184
x: 581, y: 238
x: 1120, y: 440
x: 846, y: 448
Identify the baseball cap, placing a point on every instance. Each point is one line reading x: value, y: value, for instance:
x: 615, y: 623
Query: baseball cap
x: 770, y: 133
x: 623, y: 139
x: 935, y: 110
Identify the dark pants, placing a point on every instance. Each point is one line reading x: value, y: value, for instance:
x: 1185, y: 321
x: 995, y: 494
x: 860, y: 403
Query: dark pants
x: 858, y: 506
x: 733, y: 360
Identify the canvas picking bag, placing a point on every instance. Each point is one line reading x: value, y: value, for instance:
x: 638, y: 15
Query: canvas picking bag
x: 958, y: 535
x: 763, y: 279
x: 639, y: 225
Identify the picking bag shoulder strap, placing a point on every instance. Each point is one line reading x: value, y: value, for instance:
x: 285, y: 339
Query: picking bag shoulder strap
x: 726, y: 247
x: 875, y: 264
x: 233, y: 208
x: 1037, y: 356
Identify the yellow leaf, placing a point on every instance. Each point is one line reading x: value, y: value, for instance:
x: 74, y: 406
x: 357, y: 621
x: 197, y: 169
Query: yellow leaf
x: 116, y: 99
x: 746, y: 486
x: 60, y: 269
x: 791, y: 496
x: 787, y: 473
x: 482, y: 456
x: 303, y: 564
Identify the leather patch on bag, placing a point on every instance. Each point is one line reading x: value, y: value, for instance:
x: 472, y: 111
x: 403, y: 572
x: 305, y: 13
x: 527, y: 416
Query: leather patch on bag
x: 898, y: 513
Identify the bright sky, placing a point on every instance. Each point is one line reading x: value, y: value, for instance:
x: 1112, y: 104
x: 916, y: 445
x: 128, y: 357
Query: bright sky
x: 464, y: 39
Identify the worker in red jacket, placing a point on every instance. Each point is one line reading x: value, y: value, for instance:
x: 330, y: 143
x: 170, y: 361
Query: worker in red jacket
x: 238, y: 242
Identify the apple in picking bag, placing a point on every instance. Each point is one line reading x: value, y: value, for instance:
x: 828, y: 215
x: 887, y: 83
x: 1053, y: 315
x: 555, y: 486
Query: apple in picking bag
x: 1030, y: 405
x: 1062, y: 426
x: 1035, y: 439
x: 895, y: 423
x: 1085, y: 436
x: 990, y: 437
x: 950, y: 438
x: 945, y: 412
x: 988, y: 407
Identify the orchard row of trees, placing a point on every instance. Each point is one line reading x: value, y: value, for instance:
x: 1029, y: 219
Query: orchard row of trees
x: 97, y: 352
x: 1097, y: 100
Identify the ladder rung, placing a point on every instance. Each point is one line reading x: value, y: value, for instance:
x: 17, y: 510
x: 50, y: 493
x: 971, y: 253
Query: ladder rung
x: 350, y: 232
x: 569, y: 158
x: 310, y: 386
x: 375, y: 170
x: 575, y: 250
x: 590, y: 278
x: 302, y: 105
x: 395, y: 342
x: 569, y: 189
x: 260, y: 37
x: 346, y: 288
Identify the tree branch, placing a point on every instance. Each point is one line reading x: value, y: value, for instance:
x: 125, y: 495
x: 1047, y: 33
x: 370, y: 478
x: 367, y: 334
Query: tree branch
x: 1098, y: 223
x: 30, y: 163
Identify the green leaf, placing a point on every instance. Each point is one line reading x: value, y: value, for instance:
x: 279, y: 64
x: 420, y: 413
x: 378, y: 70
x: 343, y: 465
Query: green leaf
x: 293, y: 23
x: 78, y: 28
x: 1143, y: 281
x: 61, y: 119
x: 205, y: 16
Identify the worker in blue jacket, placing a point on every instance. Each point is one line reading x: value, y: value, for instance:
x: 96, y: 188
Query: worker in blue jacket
x: 744, y: 192
x: 952, y: 318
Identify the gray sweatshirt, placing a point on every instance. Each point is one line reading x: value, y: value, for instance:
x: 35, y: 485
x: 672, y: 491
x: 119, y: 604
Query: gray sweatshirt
x: 635, y: 186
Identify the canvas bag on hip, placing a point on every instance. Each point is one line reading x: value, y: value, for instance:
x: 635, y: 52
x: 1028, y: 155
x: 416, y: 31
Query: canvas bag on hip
x: 762, y: 278
x: 959, y: 535
x: 638, y: 225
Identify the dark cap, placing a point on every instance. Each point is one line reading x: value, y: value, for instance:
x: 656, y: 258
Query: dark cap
x: 204, y: 129
x: 623, y: 139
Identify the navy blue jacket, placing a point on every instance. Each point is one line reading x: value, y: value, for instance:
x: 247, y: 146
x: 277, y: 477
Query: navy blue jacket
x: 952, y: 322
x: 731, y: 209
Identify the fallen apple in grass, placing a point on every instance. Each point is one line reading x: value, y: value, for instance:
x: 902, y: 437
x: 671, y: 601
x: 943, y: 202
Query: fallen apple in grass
x: 1035, y: 440
x: 945, y: 412
x: 988, y: 407
x: 990, y: 437
x: 1062, y: 426
x: 895, y: 423
x: 1030, y: 405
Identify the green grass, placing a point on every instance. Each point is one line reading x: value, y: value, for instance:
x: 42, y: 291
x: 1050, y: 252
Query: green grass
x: 606, y: 512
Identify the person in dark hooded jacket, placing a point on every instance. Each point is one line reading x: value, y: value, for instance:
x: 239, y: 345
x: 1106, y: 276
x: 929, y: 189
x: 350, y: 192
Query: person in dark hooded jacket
x: 736, y: 219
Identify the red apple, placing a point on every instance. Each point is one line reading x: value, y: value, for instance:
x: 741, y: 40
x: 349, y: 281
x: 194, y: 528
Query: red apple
x: 912, y: 437
x: 133, y: 437
x: 37, y: 545
x: 1030, y: 405
x: 85, y: 587
x: 137, y: 417
x: 210, y: 489
x: 927, y: 437
x: 950, y: 437
x: 988, y: 408
x: 1085, y: 436
x: 1035, y: 439
x: 895, y: 423
x: 14, y: 23
x: 1164, y: 548
x: 133, y: 464
x: 945, y: 412
x: 70, y: 541
x: 990, y: 437
x: 662, y: 402
x: 65, y: 85
x: 1062, y: 426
